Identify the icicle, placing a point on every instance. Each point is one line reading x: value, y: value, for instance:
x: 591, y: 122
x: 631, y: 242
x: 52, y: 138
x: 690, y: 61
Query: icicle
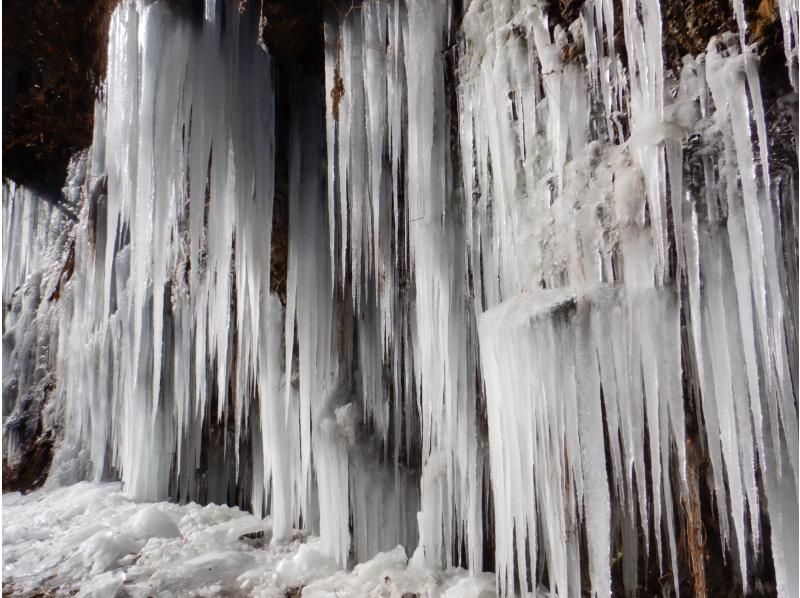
x: 309, y: 310
x: 790, y: 19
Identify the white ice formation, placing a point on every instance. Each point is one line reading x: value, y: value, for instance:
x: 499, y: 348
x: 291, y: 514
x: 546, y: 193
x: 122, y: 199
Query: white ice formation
x: 532, y: 274
x: 90, y: 540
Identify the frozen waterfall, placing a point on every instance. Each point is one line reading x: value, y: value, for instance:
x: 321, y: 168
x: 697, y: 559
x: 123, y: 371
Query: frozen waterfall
x: 533, y: 279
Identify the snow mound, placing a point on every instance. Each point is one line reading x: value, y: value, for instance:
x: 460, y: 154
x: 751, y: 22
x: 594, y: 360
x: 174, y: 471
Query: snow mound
x: 90, y: 540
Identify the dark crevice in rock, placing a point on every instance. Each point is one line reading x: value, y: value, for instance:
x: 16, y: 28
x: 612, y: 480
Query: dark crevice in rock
x: 292, y: 30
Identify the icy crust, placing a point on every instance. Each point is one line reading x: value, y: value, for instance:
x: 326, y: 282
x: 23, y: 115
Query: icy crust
x: 89, y: 539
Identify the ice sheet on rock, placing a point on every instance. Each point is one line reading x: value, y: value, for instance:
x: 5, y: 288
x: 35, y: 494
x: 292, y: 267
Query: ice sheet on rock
x: 37, y: 258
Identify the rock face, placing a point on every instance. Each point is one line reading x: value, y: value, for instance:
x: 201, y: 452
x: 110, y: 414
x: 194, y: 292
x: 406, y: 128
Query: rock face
x: 54, y: 56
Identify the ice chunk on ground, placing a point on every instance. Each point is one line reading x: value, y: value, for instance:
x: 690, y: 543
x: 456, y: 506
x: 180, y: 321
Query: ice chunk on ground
x: 303, y: 566
x: 152, y: 522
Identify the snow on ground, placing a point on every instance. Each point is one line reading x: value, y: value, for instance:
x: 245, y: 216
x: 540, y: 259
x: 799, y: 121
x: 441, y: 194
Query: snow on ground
x: 90, y: 540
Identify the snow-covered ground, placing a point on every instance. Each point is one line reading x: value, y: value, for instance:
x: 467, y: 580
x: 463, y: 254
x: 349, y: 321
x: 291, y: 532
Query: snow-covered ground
x: 91, y: 540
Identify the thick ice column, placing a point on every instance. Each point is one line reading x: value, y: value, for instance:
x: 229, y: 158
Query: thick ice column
x: 310, y: 368
x: 446, y: 394
x: 279, y: 424
x: 333, y: 479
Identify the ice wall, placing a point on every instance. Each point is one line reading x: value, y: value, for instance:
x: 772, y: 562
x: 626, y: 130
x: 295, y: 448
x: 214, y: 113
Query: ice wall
x: 533, y: 280
x: 397, y: 240
x: 180, y: 371
x: 650, y: 254
x: 170, y: 320
x: 620, y: 238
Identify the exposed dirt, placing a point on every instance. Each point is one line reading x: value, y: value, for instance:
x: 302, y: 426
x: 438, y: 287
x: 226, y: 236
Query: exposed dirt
x: 31, y: 472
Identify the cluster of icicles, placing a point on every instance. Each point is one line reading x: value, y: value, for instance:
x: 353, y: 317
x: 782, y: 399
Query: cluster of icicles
x: 525, y: 260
